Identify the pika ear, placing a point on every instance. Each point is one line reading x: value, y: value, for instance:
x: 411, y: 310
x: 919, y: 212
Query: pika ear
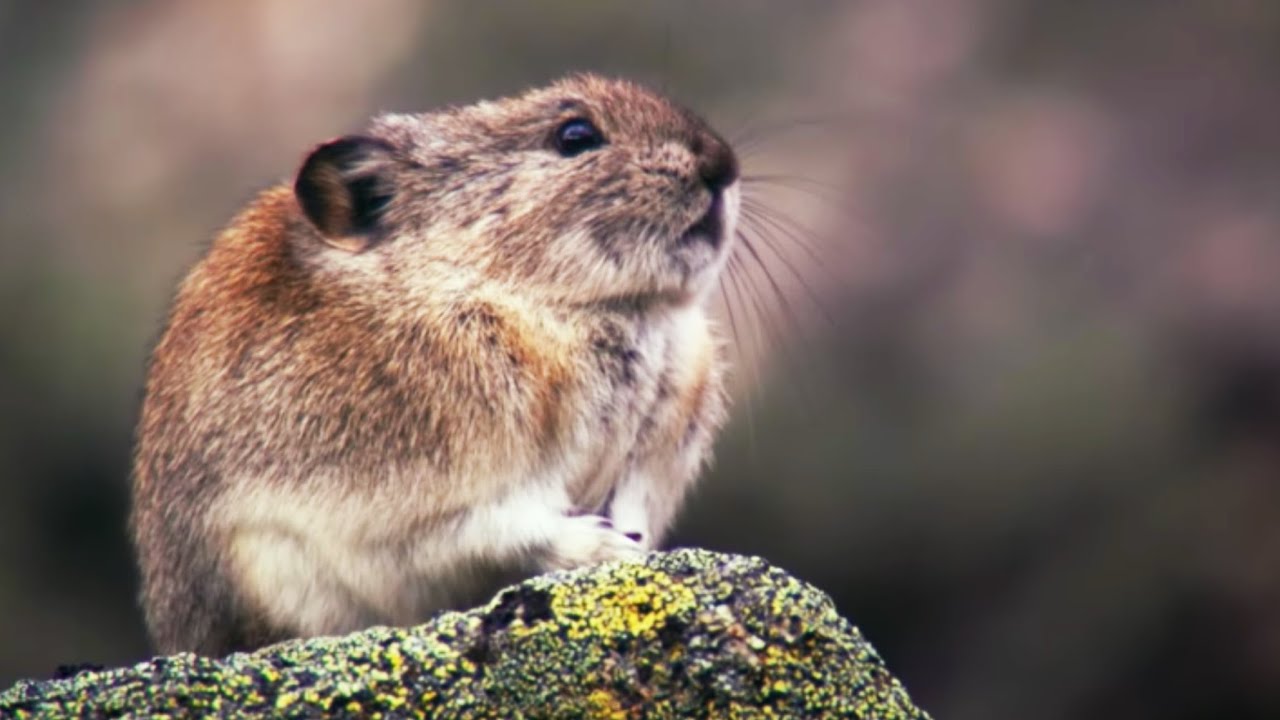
x: 343, y: 187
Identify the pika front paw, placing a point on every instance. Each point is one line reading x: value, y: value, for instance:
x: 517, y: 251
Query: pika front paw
x: 587, y: 540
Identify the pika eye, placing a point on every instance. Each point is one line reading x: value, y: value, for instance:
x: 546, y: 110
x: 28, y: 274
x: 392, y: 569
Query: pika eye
x: 577, y: 136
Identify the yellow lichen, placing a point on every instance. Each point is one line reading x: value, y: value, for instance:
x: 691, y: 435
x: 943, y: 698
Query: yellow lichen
x: 602, y: 705
x: 636, y: 603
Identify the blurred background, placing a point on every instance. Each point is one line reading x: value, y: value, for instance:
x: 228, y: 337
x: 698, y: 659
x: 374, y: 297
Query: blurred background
x: 1021, y: 419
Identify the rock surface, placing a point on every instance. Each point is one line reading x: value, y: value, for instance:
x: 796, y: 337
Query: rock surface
x: 685, y: 634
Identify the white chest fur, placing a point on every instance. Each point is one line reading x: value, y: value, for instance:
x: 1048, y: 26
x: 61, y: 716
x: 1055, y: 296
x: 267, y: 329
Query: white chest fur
x: 340, y: 553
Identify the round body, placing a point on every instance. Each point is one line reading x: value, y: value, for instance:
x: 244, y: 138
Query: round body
x: 461, y: 347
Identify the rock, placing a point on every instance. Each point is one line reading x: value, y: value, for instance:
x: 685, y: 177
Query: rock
x: 683, y: 634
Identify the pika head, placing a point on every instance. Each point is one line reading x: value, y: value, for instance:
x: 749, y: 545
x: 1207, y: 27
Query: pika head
x: 588, y: 191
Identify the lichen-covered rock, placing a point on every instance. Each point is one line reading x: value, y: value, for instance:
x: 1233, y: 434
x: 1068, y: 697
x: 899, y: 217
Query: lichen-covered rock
x: 686, y: 634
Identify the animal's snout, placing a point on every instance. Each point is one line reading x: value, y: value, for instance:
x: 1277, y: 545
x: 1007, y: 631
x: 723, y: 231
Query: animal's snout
x: 717, y: 164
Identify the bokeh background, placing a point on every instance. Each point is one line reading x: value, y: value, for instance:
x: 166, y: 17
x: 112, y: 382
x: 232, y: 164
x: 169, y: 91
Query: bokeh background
x: 1022, y: 419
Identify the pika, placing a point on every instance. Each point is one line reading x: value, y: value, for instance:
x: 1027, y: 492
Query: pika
x: 460, y: 347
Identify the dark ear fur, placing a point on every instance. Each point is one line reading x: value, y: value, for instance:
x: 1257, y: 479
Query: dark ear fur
x: 343, y: 186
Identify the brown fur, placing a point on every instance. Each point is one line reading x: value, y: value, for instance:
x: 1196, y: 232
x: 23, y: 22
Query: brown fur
x: 342, y: 420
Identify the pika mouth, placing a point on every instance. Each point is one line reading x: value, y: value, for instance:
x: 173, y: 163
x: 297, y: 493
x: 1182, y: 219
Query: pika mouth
x: 710, y: 227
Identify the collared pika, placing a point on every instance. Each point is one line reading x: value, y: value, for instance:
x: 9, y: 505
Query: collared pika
x: 463, y: 346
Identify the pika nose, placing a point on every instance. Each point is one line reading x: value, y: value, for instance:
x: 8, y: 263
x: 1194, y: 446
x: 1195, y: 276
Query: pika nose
x: 717, y: 165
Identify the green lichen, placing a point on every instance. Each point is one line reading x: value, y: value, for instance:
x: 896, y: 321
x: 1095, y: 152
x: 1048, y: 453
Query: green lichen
x: 682, y: 634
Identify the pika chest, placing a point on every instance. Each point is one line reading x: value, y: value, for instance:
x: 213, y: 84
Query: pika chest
x: 635, y: 367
